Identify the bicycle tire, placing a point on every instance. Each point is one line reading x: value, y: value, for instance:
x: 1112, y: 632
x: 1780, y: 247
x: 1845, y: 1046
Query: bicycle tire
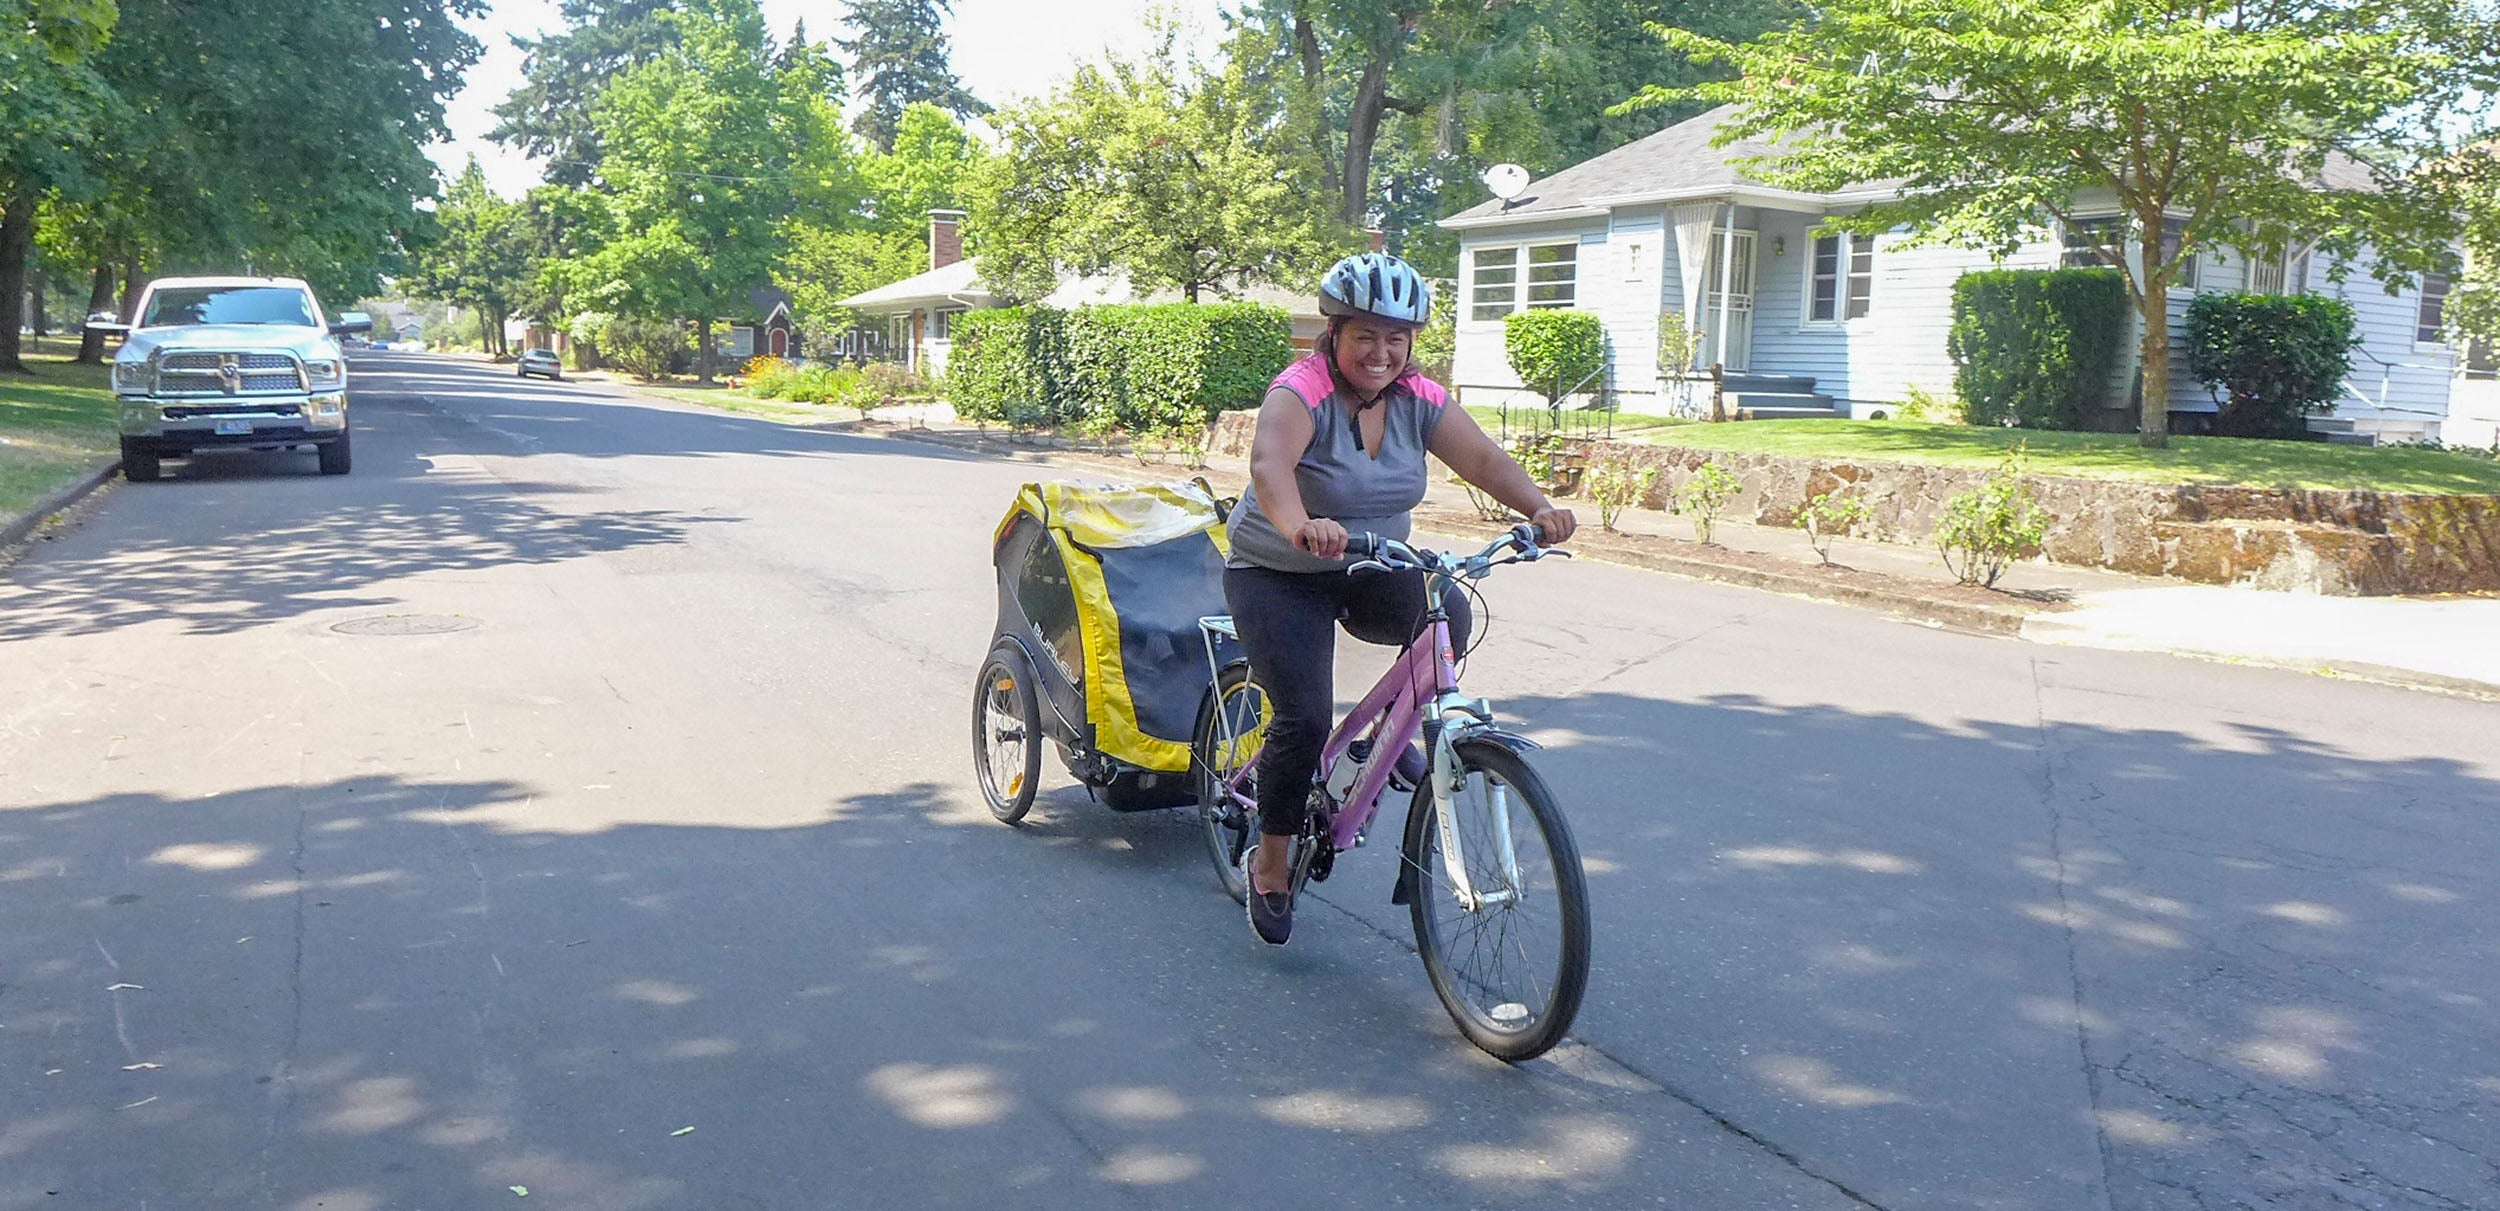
x: 1227, y: 827
x: 1511, y: 1028
x: 1004, y: 694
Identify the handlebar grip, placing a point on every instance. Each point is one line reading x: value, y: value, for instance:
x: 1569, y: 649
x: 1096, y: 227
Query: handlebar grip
x: 1364, y: 545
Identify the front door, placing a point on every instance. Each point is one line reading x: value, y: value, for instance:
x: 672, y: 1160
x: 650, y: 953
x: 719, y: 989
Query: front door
x: 1729, y: 310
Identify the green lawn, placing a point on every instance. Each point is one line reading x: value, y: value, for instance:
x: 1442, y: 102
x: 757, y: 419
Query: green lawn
x: 1532, y: 417
x: 735, y: 399
x: 54, y: 426
x: 2188, y: 460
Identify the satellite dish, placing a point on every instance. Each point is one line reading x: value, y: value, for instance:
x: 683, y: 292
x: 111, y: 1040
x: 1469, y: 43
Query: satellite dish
x: 1507, y: 181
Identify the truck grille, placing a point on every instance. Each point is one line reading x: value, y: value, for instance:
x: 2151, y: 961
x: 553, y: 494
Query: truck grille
x: 203, y: 373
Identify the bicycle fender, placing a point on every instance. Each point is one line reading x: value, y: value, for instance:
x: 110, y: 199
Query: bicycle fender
x: 1417, y: 809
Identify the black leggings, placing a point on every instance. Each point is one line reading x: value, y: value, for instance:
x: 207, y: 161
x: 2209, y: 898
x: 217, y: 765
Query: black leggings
x: 1287, y: 622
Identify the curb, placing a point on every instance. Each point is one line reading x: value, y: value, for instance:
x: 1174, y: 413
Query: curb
x: 2049, y: 631
x: 17, y: 530
x: 1590, y: 543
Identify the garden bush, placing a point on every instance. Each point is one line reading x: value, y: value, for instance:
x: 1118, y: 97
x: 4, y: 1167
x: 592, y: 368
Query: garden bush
x: 2274, y: 359
x: 1141, y: 367
x: 645, y: 348
x: 1984, y: 529
x: 1555, y: 352
x: 1008, y: 365
x: 2033, y: 348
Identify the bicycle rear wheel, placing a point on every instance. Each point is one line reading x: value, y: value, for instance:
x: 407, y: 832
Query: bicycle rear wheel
x: 1510, y: 970
x: 1230, y: 733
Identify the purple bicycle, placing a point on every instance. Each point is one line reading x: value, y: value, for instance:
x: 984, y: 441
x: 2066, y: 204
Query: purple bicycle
x: 1487, y: 868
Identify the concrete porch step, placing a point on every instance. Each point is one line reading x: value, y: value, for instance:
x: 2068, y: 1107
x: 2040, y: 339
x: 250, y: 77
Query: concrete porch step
x: 2348, y: 438
x: 1783, y: 405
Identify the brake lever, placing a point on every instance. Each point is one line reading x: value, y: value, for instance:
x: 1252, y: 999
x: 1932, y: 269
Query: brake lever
x: 1368, y: 565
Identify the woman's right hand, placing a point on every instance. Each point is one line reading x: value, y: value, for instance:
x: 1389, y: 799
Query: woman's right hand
x: 1321, y: 537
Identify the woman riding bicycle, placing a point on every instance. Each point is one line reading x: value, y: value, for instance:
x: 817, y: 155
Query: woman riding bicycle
x: 1340, y: 447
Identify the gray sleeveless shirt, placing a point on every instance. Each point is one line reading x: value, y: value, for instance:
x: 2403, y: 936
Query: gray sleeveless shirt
x: 1339, y: 479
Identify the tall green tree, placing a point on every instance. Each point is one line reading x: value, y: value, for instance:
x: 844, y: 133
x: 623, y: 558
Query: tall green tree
x: 828, y: 257
x: 549, y: 114
x: 51, y: 101
x: 710, y: 150
x: 899, y: 57
x: 2206, y: 123
x: 480, y: 259
x: 1184, y: 178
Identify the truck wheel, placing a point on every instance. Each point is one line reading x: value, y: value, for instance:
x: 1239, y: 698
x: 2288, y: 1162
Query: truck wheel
x: 138, y: 462
x: 334, y: 455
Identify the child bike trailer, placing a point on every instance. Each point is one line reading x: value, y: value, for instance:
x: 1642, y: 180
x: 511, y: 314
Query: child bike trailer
x: 1098, y: 646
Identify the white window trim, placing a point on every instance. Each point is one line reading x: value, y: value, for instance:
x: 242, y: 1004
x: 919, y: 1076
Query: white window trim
x: 1840, y: 302
x: 1518, y: 251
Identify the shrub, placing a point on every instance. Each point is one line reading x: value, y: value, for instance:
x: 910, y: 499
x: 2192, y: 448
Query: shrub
x: 1616, y: 485
x: 2034, y: 347
x: 1920, y: 404
x: 2276, y: 359
x: 1678, y: 344
x: 1990, y: 526
x: 1704, y: 496
x: 1436, y: 346
x: 1141, y: 367
x: 1555, y: 352
x: 1828, y: 516
x: 1009, y: 365
x: 645, y: 348
x: 768, y: 377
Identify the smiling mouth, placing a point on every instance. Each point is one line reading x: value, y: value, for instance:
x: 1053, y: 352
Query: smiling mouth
x: 1375, y: 367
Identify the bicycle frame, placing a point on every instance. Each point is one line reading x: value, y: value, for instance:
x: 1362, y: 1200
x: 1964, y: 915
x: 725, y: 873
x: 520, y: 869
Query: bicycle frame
x: 1392, y: 714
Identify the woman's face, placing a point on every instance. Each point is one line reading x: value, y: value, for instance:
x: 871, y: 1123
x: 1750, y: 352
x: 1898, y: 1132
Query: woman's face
x: 1372, y: 355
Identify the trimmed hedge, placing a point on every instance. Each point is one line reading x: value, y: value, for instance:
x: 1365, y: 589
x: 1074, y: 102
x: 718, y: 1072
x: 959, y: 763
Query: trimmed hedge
x: 1555, y: 352
x: 2276, y: 359
x: 2034, y: 348
x: 1138, y: 367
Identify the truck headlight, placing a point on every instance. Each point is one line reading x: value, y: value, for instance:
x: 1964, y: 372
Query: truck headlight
x: 130, y: 376
x: 325, y: 374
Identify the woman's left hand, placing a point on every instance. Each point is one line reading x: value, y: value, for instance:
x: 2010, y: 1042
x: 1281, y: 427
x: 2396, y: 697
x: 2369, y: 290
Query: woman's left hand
x: 1557, y: 523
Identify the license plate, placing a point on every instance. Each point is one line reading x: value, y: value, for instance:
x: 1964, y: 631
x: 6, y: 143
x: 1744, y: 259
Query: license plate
x: 227, y: 428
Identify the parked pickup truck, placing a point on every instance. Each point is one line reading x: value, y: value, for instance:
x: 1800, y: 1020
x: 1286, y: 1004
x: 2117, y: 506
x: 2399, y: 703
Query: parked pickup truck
x: 246, y: 362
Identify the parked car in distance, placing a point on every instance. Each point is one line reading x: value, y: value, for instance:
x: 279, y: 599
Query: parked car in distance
x: 540, y: 361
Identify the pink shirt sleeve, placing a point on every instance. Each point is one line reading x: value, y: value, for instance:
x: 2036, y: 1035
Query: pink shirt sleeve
x: 1308, y: 379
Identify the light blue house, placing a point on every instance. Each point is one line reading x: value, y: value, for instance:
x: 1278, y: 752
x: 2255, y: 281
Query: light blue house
x: 1811, y: 323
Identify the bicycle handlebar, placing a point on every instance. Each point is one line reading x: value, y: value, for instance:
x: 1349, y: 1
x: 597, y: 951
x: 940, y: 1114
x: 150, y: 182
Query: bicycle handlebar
x: 1523, y: 544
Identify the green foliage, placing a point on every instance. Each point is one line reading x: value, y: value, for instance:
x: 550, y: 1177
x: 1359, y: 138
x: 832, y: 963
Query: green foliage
x: 1436, y: 345
x: 1827, y: 517
x: 1137, y: 367
x: 479, y: 260
x: 1930, y: 407
x: 1542, y: 454
x: 899, y: 59
x: 644, y: 347
x: 1995, y: 114
x: 563, y: 73
x: 1704, y: 496
x: 1555, y: 352
x: 1990, y: 526
x: 1679, y: 343
x: 1008, y: 365
x: 2275, y: 359
x: 1182, y: 179
x: 685, y: 239
x: 2033, y: 348
x: 1616, y: 484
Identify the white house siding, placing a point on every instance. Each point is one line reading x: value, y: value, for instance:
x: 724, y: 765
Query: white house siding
x: 1479, y: 369
x: 1620, y: 280
x: 2473, y: 414
x: 1782, y: 342
x: 2407, y: 384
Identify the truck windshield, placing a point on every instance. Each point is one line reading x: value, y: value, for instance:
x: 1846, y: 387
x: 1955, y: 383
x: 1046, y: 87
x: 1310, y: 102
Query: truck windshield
x: 228, y: 305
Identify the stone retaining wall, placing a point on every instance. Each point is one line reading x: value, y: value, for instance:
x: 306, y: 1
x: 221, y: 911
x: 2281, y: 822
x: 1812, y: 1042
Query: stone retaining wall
x: 2342, y: 543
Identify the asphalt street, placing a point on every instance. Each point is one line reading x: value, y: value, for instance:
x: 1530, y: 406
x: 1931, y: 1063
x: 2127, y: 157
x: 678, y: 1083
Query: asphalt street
x: 575, y: 799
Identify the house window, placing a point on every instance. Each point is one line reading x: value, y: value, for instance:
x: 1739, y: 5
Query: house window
x: 942, y: 327
x: 1844, y: 278
x: 2287, y: 274
x: 2086, y: 240
x: 2430, y: 325
x: 1504, y: 280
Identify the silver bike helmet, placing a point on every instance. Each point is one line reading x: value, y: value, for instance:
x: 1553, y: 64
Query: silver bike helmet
x: 1375, y: 285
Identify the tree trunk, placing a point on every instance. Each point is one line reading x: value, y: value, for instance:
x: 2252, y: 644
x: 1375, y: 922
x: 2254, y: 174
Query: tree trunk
x: 703, y: 351
x: 99, y: 297
x: 35, y: 301
x: 1371, y: 100
x: 132, y: 283
x: 2153, y: 353
x: 1315, y: 88
x: 17, y: 238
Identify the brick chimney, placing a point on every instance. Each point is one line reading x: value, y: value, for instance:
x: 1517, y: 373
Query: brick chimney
x: 1378, y: 239
x: 946, y: 238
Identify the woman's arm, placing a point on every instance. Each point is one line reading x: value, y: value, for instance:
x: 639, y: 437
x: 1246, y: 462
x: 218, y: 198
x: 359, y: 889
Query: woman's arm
x: 1276, y: 448
x: 1463, y: 444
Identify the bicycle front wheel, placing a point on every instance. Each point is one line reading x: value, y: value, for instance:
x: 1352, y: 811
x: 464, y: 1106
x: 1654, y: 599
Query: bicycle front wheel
x: 1231, y: 731
x: 1511, y: 965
